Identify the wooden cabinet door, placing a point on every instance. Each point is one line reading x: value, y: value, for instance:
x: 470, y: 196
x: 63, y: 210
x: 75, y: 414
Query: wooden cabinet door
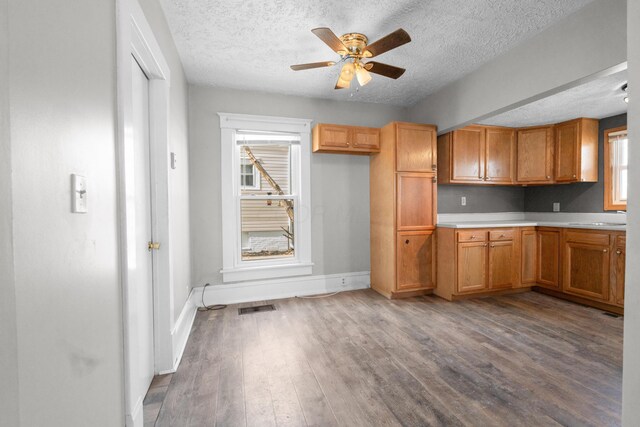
x: 501, y: 265
x: 334, y: 137
x: 528, y: 244
x: 548, y: 259
x: 619, y: 262
x: 500, y: 155
x: 567, y: 151
x: 472, y: 266
x: 416, y: 148
x: 467, y: 155
x: 366, y: 139
x: 416, y: 201
x: 535, y: 155
x: 415, y: 260
x: 586, y: 270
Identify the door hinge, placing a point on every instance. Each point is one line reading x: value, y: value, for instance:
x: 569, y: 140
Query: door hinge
x: 153, y: 246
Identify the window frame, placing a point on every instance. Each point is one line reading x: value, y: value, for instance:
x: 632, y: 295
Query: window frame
x: 257, y: 179
x: 234, y: 269
x: 609, y: 179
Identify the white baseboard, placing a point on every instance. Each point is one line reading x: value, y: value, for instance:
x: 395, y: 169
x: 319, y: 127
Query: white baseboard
x: 135, y: 419
x: 181, y: 331
x: 234, y: 293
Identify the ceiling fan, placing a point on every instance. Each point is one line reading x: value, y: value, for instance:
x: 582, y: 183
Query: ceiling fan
x: 353, y: 48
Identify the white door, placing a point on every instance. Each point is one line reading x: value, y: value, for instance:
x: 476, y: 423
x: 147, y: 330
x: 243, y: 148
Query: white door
x: 138, y: 193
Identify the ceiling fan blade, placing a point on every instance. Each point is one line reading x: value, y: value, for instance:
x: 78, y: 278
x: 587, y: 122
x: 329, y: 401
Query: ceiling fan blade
x: 328, y: 36
x: 388, y: 42
x: 310, y: 65
x: 384, y: 69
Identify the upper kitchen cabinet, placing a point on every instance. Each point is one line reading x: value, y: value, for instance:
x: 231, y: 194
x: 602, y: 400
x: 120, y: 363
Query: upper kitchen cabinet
x: 415, y: 147
x: 534, y: 150
x: 339, y: 139
x: 576, y: 151
x: 477, y: 155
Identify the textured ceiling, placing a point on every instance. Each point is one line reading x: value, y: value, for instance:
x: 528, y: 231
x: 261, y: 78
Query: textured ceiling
x: 249, y: 44
x: 597, y: 99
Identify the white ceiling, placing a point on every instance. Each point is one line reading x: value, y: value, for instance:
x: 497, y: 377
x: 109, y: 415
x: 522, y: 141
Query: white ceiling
x: 249, y: 44
x: 597, y: 99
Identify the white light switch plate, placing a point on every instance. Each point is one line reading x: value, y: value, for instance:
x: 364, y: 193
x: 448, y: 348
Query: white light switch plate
x: 78, y: 194
x: 463, y: 201
x: 556, y: 207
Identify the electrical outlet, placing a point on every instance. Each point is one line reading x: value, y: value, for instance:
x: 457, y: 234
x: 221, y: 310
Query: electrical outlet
x: 344, y: 282
x: 463, y: 201
x: 556, y: 207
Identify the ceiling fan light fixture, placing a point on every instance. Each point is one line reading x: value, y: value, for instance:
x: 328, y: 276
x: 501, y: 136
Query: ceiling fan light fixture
x: 363, y: 75
x: 346, y: 75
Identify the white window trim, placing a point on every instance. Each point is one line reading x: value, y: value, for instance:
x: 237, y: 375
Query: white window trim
x: 233, y: 270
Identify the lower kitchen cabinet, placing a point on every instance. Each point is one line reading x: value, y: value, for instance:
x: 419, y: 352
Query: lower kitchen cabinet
x: 619, y: 264
x: 548, y: 258
x: 416, y: 260
x: 529, y: 244
x: 586, y: 270
x: 476, y: 261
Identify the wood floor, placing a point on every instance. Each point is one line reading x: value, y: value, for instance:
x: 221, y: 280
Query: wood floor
x: 358, y: 359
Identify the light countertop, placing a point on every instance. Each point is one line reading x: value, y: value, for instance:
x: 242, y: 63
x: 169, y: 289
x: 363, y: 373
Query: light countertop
x: 528, y: 223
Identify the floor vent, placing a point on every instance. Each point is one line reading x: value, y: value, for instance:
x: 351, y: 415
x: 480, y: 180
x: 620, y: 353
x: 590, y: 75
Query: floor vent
x: 256, y: 309
x: 606, y: 313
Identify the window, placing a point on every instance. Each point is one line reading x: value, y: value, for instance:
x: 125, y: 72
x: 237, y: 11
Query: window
x: 616, y: 161
x: 249, y: 175
x: 265, y: 197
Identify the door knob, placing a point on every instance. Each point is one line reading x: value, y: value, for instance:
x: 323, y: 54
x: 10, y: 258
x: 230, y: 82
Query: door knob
x: 153, y: 246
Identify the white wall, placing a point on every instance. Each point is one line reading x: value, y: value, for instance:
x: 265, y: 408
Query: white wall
x: 68, y: 297
x: 8, y: 339
x: 339, y: 183
x: 586, y: 42
x: 631, y: 369
x: 179, y: 144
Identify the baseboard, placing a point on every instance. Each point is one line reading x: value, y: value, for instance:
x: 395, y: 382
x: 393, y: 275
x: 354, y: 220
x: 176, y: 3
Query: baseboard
x: 234, y: 293
x: 181, y: 331
x: 135, y: 419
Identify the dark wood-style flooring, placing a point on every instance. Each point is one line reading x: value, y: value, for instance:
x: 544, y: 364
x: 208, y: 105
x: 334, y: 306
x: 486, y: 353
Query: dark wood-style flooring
x: 358, y: 359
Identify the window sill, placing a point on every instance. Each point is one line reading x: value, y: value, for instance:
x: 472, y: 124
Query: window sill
x: 266, y: 272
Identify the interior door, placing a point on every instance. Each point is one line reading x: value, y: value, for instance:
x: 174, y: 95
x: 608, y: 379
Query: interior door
x: 138, y: 187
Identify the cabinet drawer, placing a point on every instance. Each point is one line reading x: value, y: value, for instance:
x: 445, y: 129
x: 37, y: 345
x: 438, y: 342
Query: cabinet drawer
x: 472, y: 236
x: 496, y: 235
x: 588, y: 238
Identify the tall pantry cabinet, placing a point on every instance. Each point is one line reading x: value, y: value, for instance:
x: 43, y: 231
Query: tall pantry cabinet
x: 403, y: 210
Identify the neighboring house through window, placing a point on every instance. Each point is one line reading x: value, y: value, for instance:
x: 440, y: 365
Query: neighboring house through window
x: 616, y: 161
x: 265, y: 197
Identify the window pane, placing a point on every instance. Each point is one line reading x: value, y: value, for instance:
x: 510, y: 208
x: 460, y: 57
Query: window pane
x: 267, y: 229
x: 273, y: 164
x: 622, y: 197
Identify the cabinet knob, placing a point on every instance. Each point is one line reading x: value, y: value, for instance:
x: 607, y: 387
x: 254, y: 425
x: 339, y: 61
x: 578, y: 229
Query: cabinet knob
x: 479, y: 177
x: 406, y: 241
x: 472, y: 237
x: 548, y: 177
x: 485, y: 245
x: 574, y: 176
x: 605, y: 250
x: 434, y: 167
x: 493, y: 246
x: 619, y: 252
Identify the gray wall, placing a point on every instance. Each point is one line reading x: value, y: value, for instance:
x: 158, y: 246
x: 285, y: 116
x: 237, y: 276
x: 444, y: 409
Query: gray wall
x: 339, y: 183
x: 8, y: 332
x: 631, y: 370
x: 572, y: 49
x: 579, y: 197
x: 480, y: 199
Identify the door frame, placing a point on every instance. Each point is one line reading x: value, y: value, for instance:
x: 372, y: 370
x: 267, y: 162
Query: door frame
x: 135, y: 38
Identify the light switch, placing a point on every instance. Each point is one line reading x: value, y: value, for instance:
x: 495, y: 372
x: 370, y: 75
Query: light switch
x: 78, y: 194
x: 556, y: 207
x: 463, y: 201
